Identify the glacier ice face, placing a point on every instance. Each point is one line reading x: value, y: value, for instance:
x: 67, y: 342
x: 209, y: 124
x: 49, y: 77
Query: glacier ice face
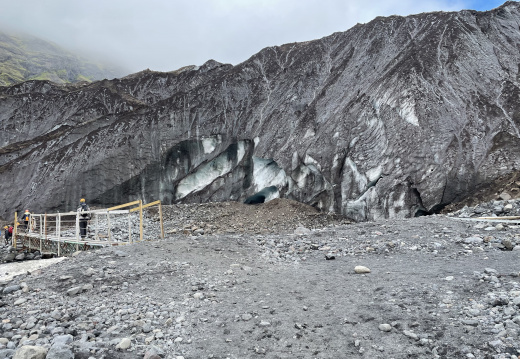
x: 390, y: 117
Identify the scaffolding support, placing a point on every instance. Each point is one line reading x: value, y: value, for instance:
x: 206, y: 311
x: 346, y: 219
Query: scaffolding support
x: 59, y: 233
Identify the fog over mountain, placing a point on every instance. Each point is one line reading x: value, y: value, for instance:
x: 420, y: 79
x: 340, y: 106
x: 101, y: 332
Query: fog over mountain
x: 24, y: 57
x: 167, y: 35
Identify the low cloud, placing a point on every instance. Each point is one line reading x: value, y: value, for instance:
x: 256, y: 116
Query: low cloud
x: 166, y: 35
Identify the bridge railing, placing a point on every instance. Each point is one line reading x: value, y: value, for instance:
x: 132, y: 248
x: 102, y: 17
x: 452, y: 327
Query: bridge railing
x: 59, y: 233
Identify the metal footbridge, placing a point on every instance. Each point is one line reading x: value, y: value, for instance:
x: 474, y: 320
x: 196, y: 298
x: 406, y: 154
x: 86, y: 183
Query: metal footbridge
x: 59, y: 233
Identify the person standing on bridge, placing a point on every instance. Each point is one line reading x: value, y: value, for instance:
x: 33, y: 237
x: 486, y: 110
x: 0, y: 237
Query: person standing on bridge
x: 84, y: 217
x: 26, y: 219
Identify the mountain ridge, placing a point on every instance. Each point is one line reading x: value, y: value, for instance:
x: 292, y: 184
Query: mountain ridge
x: 387, y: 119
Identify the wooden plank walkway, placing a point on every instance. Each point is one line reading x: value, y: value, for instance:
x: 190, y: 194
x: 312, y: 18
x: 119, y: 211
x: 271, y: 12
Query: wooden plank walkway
x: 60, y: 245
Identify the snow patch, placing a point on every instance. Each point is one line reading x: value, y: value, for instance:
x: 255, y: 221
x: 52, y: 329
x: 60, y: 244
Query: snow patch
x: 308, y: 160
x: 309, y: 133
x: 209, y: 144
x: 208, y: 172
x: 374, y: 173
x: 266, y: 173
x: 359, y: 179
x: 407, y: 112
x: 404, y: 104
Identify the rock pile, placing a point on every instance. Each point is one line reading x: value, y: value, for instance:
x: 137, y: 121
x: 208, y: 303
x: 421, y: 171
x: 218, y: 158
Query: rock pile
x: 497, y: 208
x: 276, y: 216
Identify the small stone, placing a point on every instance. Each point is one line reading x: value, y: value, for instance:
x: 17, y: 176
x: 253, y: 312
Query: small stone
x: 147, y: 328
x: 470, y: 322
x: 198, y: 295
x: 11, y: 289
x: 246, y: 317
x: 495, y: 343
x: 260, y: 350
x: 20, y: 301
x: 20, y: 257
x: 124, y: 344
x: 508, y: 244
x: 90, y: 272
x: 361, y: 269
x: 62, y: 339
x: 74, y: 291
x: 504, y: 196
x: 301, y: 231
x: 264, y: 323
x: 474, y: 240
x: 385, y: 327
x: 410, y: 334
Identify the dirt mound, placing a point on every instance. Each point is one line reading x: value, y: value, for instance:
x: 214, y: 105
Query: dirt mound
x: 507, y: 184
x: 278, y: 216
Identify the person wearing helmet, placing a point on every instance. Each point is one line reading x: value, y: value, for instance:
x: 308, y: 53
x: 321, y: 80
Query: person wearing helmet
x: 84, y: 217
x: 8, y: 233
x: 26, y: 218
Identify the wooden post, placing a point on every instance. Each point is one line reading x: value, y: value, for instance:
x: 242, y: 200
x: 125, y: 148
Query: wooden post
x: 130, y: 239
x: 44, y: 232
x: 161, y: 219
x: 58, y: 229
x: 77, y: 226
x: 109, y: 231
x: 141, y: 220
x: 96, y: 224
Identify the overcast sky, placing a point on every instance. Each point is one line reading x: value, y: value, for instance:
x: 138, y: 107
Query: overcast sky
x: 165, y: 35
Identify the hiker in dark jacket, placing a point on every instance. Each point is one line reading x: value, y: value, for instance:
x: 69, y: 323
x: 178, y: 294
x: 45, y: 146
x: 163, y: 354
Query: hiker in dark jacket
x: 84, y: 217
x: 8, y: 233
x: 26, y: 219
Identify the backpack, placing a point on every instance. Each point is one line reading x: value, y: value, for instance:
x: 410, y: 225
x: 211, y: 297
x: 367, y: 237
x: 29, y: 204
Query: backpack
x: 10, y: 229
x: 85, y: 208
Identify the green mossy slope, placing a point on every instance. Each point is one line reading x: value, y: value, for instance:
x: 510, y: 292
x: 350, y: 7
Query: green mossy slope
x: 23, y: 57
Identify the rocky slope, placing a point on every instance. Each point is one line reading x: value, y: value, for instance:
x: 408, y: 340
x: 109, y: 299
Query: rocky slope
x: 396, y: 117
x: 431, y: 287
x: 24, y: 57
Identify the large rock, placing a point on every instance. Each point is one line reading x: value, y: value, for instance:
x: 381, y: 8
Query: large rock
x: 60, y: 351
x: 393, y: 118
x: 30, y: 352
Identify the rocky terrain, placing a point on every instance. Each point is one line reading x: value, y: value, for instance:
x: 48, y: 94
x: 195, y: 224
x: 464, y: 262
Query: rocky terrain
x: 279, y: 280
x: 399, y: 116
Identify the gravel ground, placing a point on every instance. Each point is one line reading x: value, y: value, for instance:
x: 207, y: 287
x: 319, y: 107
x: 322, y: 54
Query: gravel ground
x: 224, y: 284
